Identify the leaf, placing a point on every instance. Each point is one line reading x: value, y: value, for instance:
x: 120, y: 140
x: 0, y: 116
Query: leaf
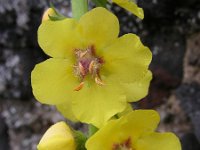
x: 57, y: 15
x: 56, y: 18
x: 100, y: 3
x: 80, y: 139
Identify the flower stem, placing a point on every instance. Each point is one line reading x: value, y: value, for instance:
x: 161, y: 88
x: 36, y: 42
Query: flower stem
x: 79, y: 7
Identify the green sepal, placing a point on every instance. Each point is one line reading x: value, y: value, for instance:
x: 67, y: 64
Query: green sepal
x: 80, y: 139
x: 53, y: 7
x: 100, y: 3
x: 92, y: 130
x: 56, y: 18
x: 57, y: 15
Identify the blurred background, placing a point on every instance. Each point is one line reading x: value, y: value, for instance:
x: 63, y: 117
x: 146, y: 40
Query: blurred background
x: 171, y: 29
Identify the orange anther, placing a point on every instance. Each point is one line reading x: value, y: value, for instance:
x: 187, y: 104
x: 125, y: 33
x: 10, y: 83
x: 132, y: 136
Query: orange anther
x: 79, y: 87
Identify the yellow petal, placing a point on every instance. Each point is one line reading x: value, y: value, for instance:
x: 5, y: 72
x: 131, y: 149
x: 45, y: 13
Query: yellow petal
x: 139, y: 89
x: 57, y: 137
x: 133, y: 125
x: 139, y: 122
x: 53, y: 81
x: 66, y: 110
x: 159, y: 141
x: 126, y: 59
x: 58, y: 38
x: 127, y: 110
x: 95, y: 104
x: 130, y: 6
x: 104, y: 138
x: 98, y: 27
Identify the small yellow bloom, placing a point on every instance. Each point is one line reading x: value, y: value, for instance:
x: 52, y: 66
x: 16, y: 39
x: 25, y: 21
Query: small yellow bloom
x: 131, y: 6
x: 57, y: 137
x: 134, y: 131
x: 92, y: 73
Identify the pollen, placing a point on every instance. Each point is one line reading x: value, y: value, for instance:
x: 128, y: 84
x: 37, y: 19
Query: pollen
x: 79, y: 87
x: 126, y: 145
x: 87, y: 64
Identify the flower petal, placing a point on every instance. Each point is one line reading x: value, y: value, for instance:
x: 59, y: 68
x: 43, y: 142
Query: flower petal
x: 130, y: 6
x: 159, y: 141
x: 96, y: 104
x: 59, y: 137
x: 139, y: 122
x: 104, y: 137
x: 66, y: 110
x: 126, y: 59
x: 53, y: 81
x: 132, y: 126
x: 127, y: 110
x: 139, y: 89
x: 98, y: 27
x: 58, y: 38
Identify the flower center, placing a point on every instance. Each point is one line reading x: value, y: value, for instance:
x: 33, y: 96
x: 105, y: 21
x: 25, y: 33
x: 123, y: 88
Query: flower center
x: 126, y: 145
x: 87, y: 64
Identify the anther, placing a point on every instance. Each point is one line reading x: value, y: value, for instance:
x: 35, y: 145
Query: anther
x: 81, y: 68
x: 82, y: 54
x: 91, y: 66
x: 79, y: 87
x: 99, y: 81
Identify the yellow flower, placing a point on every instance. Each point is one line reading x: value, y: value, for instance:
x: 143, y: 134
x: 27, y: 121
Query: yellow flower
x: 57, y: 137
x: 134, y: 131
x: 131, y: 6
x: 93, y: 73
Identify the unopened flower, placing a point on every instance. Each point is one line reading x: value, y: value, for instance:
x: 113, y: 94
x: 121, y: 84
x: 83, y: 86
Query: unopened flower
x: 92, y: 73
x: 57, y: 137
x: 131, y: 6
x: 134, y: 131
x: 52, y: 14
x: 47, y: 13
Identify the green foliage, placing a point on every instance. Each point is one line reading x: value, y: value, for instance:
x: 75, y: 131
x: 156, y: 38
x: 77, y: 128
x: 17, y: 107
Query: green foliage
x: 56, y: 18
x: 57, y: 15
x: 80, y: 139
x: 79, y: 7
x: 92, y: 130
x: 100, y: 3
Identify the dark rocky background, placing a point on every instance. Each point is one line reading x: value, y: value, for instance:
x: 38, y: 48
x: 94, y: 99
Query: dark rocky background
x: 171, y: 29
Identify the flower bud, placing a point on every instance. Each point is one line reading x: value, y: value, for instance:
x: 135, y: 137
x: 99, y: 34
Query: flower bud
x: 47, y: 13
x: 57, y: 137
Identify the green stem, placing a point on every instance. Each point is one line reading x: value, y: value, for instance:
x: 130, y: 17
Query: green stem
x: 79, y: 7
x: 92, y: 130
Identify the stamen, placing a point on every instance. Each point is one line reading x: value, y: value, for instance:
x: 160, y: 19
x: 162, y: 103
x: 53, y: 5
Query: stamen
x: 126, y: 145
x: 82, y: 70
x: 77, y: 53
x: 99, y: 81
x: 91, y: 66
x: 83, y: 54
x: 87, y: 64
x: 79, y: 87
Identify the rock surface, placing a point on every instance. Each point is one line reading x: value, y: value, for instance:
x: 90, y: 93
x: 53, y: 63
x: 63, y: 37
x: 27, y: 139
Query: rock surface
x: 190, y: 142
x: 170, y: 29
x: 189, y: 95
x: 192, y: 60
x: 19, y: 51
x: 189, y: 92
x: 4, y: 138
